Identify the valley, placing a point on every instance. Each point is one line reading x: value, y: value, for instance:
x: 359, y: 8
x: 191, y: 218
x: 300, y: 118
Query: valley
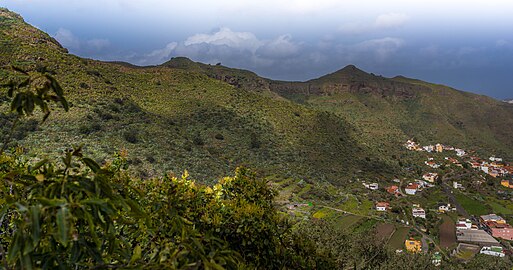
x: 323, y: 176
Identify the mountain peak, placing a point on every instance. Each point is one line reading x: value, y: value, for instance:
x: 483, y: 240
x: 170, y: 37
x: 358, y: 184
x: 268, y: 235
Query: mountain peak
x: 348, y: 72
x: 182, y: 63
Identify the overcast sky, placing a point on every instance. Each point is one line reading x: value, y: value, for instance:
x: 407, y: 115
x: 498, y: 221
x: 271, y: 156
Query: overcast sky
x: 464, y: 44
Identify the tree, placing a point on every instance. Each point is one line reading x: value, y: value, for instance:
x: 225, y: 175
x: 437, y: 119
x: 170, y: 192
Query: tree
x: 29, y: 90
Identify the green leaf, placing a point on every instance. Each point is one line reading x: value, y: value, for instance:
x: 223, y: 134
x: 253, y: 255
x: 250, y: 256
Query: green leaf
x: 26, y: 262
x: 19, y: 70
x: 15, y: 247
x: 91, y: 164
x: 51, y: 202
x: 21, y: 207
x: 37, y: 165
x: 29, y: 104
x: 25, y: 83
x: 35, y: 214
x: 136, y: 254
x: 16, y: 102
x: 62, y: 226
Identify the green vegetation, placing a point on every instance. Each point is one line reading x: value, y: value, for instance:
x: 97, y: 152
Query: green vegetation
x: 471, y: 205
x: 177, y: 117
x: 398, y: 238
x: 97, y: 187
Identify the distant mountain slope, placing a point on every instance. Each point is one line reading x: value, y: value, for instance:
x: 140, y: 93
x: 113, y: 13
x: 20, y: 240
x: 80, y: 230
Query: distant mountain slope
x: 386, y: 111
x: 176, y: 116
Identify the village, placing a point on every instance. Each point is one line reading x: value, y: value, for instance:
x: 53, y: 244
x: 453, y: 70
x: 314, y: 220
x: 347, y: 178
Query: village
x: 451, y: 204
x: 466, y: 234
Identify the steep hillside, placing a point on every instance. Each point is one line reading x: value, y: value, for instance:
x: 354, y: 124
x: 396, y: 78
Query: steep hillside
x: 177, y: 117
x: 387, y: 111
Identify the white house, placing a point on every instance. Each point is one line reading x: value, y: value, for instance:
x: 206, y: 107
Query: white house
x: 430, y: 177
x: 432, y: 164
x: 442, y: 208
x: 429, y: 148
x: 460, y: 152
x: 456, y: 185
x: 411, y: 189
x: 374, y: 186
x: 463, y: 224
x: 496, y: 159
x: 382, y: 206
x: 493, y: 250
x: 418, y: 212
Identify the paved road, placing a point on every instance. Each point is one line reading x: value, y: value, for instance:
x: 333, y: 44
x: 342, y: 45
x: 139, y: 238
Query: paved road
x: 425, y: 246
x: 452, y: 199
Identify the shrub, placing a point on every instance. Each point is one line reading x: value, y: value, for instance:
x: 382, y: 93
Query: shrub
x: 131, y: 136
x: 219, y: 136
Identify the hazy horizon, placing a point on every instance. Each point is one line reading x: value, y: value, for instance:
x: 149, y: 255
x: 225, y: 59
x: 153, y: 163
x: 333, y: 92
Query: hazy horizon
x: 468, y: 46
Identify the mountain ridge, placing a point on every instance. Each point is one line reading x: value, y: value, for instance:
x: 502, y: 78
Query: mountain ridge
x: 209, y: 119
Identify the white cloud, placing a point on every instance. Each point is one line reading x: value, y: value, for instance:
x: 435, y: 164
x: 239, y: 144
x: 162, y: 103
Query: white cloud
x: 281, y: 47
x: 390, y: 20
x: 67, y: 39
x: 159, y: 55
x: 373, y: 50
x: 98, y: 43
x: 237, y: 49
x: 382, y: 22
x: 225, y: 36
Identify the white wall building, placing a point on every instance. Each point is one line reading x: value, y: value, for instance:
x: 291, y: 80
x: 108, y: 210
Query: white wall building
x: 418, y: 212
x: 493, y: 251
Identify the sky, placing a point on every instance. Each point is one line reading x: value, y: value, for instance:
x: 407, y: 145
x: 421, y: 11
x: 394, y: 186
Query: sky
x: 464, y: 44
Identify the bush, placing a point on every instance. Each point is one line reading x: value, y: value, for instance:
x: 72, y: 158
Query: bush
x: 219, y: 136
x: 87, y: 129
x: 131, y: 136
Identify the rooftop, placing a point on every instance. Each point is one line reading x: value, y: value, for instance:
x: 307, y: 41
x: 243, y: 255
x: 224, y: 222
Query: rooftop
x: 476, y: 236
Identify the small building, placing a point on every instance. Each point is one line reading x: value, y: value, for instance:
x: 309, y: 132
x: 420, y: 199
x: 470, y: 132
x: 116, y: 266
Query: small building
x: 460, y: 152
x: 436, y: 259
x: 478, y: 237
x: 429, y: 148
x: 499, y: 230
x: 411, y: 189
x: 413, y: 246
x: 382, y: 206
x: 456, y: 185
x: 373, y: 186
x: 394, y: 190
x: 475, y: 164
x: 443, y: 208
x: 493, y: 251
x: 495, y: 159
x: 463, y: 224
x: 439, y: 148
x: 418, y: 212
x: 492, y: 217
x: 432, y: 164
x: 507, y: 183
x: 430, y: 177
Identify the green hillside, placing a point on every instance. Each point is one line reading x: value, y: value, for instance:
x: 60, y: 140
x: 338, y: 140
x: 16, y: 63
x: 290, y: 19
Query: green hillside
x: 209, y: 119
x: 385, y: 112
x: 177, y: 117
